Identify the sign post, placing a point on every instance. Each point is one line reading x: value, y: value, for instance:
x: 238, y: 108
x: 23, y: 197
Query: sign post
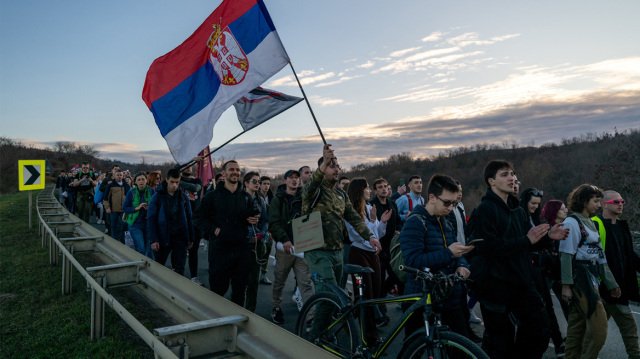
x: 30, y: 178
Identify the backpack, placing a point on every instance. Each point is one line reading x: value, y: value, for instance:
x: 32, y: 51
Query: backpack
x: 396, y: 252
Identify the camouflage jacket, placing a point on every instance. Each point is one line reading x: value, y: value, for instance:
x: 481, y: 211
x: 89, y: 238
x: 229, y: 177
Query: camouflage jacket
x: 335, y: 208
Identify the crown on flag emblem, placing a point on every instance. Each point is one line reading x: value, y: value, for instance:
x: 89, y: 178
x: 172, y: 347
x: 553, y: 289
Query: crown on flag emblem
x: 227, y: 57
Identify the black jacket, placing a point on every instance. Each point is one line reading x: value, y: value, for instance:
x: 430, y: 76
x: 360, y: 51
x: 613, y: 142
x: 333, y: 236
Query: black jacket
x: 228, y: 211
x: 394, y: 224
x: 505, y: 252
x: 623, y: 262
x: 284, y: 208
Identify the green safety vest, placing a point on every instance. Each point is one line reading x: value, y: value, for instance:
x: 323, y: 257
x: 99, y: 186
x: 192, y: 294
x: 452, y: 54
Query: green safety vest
x: 601, y: 230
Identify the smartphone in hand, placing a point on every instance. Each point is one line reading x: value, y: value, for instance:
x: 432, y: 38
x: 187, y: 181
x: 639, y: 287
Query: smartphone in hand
x: 474, y: 241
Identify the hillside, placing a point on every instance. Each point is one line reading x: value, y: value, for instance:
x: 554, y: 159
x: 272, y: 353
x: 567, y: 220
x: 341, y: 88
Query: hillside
x: 609, y: 161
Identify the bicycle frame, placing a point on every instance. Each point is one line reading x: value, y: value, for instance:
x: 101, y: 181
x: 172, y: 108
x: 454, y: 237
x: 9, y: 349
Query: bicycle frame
x: 420, y: 301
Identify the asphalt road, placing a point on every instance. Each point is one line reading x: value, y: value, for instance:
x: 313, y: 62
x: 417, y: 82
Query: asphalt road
x: 613, y: 349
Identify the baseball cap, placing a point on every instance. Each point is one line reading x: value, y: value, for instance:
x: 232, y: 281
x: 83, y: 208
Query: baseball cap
x: 290, y: 172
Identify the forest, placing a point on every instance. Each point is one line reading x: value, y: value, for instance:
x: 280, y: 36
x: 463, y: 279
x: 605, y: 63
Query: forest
x: 607, y: 160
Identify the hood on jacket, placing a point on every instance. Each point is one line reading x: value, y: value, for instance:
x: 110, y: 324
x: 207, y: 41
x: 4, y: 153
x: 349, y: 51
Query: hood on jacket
x: 282, y: 191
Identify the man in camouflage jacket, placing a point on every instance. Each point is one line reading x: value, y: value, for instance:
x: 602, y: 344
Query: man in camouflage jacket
x: 321, y: 193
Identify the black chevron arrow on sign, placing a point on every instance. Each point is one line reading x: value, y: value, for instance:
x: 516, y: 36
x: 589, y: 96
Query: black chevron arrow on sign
x: 34, y: 175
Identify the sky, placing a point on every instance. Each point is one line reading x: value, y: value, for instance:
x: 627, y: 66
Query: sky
x: 381, y: 77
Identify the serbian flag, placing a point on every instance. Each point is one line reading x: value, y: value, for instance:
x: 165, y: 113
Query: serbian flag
x: 235, y: 50
x: 205, y: 169
x: 260, y: 105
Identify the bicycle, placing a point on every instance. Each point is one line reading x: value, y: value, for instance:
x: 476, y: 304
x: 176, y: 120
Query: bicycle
x: 342, y: 335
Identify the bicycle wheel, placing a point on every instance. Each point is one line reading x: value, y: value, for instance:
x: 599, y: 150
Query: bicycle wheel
x: 449, y: 346
x: 317, y: 323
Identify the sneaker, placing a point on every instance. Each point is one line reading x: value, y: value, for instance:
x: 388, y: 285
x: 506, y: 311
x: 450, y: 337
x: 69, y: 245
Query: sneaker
x: 265, y: 280
x: 296, y: 298
x: 560, y: 351
x: 474, y: 318
x: 196, y: 280
x: 277, y: 316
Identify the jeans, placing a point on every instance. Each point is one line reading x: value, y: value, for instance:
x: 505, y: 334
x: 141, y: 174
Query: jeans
x: 118, y: 226
x: 140, y: 240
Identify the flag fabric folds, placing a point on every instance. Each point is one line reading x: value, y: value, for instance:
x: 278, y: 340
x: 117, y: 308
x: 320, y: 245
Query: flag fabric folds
x: 260, y: 105
x: 205, y: 169
x: 236, y: 49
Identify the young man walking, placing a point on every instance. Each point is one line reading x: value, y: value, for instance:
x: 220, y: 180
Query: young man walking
x: 169, y: 223
x: 512, y: 309
x: 224, y: 218
x: 285, y: 206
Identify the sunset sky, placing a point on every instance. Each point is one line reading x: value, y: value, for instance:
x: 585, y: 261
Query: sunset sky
x: 382, y: 77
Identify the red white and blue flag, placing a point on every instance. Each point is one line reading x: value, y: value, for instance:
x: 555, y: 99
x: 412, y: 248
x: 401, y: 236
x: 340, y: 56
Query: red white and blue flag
x: 235, y: 50
x: 260, y: 105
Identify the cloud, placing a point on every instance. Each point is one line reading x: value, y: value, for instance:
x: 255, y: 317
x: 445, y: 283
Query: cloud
x: 542, y: 121
x: 366, y: 65
x: 528, y: 84
x: 341, y: 80
x: 423, y: 60
x: 304, y: 76
x: 473, y: 38
x: 326, y: 101
x: 404, y: 52
x: 434, y: 36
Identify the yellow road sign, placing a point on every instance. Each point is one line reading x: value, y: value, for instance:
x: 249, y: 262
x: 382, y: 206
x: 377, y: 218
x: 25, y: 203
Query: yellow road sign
x: 31, y: 174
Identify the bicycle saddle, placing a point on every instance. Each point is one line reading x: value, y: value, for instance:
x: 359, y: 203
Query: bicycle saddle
x: 355, y: 269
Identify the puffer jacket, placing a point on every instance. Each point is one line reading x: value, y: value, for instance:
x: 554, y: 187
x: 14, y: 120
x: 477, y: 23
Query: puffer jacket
x: 422, y: 249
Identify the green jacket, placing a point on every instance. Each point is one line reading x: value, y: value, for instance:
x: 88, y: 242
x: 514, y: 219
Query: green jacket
x: 335, y: 208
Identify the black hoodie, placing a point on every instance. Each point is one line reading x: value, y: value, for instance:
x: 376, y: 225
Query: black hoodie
x: 506, y: 251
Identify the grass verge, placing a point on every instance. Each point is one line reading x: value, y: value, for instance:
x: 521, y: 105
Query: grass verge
x: 36, y: 320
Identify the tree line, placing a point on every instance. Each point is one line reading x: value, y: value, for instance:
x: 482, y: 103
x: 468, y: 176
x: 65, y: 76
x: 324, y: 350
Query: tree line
x: 607, y: 160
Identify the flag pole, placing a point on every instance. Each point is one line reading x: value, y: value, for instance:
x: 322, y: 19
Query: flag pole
x: 308, y: 104
x: 191, y: 163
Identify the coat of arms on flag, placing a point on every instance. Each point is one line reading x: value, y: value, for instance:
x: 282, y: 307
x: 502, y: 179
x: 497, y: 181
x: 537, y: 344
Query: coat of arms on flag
x: 227, y: 57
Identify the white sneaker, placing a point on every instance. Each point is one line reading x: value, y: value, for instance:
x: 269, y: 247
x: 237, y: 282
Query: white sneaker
x: 474, y: 318
x: 196, y: 280
x: 298, y: 301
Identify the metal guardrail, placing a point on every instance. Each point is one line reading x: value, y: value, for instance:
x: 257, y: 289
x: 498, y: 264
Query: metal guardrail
x: 210, y: 326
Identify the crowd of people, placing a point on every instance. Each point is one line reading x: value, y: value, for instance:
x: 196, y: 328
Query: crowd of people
x: 516, y: 248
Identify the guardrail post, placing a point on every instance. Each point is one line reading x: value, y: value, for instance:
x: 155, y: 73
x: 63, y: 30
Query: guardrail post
x: 67, y: 274
x: 97, y: 311
x: 53, y: 252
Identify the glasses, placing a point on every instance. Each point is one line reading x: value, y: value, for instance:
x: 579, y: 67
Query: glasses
x: 333, y: 165
x: 255, y: 181
x: 616, y: 201
x: 537, y: 192
x: 447, y: 203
